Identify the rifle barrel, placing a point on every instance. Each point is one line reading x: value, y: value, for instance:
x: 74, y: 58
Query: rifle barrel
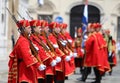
x: 20, y: 15
x: 29, y: 15
x: 13, y: 17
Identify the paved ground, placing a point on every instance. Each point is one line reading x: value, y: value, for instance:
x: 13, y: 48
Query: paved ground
x: 115, y: 78
x: 3, y: 71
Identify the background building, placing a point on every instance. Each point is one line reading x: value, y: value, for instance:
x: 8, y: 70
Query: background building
x: 106, y: 12
x: 3, y: 30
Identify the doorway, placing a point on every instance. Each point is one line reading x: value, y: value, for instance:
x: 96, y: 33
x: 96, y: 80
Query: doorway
x: 76, y: 14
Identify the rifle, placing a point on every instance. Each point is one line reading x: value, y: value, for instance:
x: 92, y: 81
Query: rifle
x: 39, y: 42
x: 49, y: 43
x: 42, y: 44
x: 60, y: 44
x: 29, y: 15
x: 68, y: 43
x: 34, y: 51
x: 20, y: 15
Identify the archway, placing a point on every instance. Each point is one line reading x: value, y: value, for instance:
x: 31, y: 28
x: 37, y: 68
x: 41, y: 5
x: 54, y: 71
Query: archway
x: 76, y: 14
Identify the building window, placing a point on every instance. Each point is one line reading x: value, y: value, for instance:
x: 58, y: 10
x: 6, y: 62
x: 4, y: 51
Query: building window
x: 45, y: 17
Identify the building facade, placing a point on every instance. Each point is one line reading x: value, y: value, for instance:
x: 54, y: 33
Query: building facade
x: 3, y: 30
x: 107, y: 12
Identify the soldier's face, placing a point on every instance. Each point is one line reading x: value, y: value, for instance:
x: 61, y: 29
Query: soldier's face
x: 37, y: 29
x: 63, y: 30
x: 98, y: 29
x: 28, y: 30
x: 46, y: 29
x: 92, y: 30
x: 57, y: 30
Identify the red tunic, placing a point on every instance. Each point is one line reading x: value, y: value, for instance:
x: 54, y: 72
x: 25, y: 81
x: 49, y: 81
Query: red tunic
x: 23, y: 65
x: 93, y: 57
x: 69, y: 65
x: 68, y: 37
x: 91, y: 48
x: 59, y: 66
x: 103, y: 52
x: 44, y: 55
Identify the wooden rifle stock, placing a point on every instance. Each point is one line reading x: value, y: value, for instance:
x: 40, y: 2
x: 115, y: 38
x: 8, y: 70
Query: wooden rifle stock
x: 34, y: 51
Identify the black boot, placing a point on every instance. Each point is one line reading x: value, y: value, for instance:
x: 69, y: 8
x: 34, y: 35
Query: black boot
x: 81, y: 79
x: 66, y: 78
x: 60, y: 81
x: 97, y: 75
x: 96, y: 82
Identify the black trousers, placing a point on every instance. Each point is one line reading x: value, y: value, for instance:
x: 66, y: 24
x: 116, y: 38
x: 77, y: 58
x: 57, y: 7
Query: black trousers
x: 41, y: 81
x: 60, y: 81
x: 111, y: 67
x: 49, y: 78
x: 97, y: 74
x: 86, y: 72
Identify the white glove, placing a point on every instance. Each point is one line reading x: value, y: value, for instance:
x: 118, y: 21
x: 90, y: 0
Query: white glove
x: 36, y: 48
x: 42, y: 67
x: 53, y: 63
x: 67, y: 58
x: 110, y: 54
x: 69, y: 40
x: 71, y: 55
x: 58, y: 59
x: 82, y: 51
x: 75, y: 55
x: 63, y: 43
x: 47, y: 47
x: 55, y: 45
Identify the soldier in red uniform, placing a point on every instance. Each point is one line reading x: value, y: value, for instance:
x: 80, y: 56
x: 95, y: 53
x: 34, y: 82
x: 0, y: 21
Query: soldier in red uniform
x: 49, y: 74
x: 79, y: 50
x: 65, y: 36
x: 23, y: 65
x: 45, y: 57
x: 111, y: 51
x: 50, y: 63
x: 57, y: 41
x: 102, y: 47
x: 114, y: 58
x: 86, y: 69
x: 60, y: 67
x: 92, y: 53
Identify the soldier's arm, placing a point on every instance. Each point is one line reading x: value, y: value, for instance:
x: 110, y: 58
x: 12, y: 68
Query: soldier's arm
x: 27, y: 56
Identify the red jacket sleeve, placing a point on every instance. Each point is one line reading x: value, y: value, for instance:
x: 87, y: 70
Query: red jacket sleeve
x: 26, y: 54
